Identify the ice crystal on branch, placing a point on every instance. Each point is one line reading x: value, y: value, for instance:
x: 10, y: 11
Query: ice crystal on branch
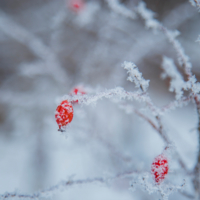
x: 120, y: 9
x: 117, y: 93
x: 135, y: 76
x: 193, y: 84
x: 150, y: 22
x: 177, y: 84
x: 148, y: 15
x: 145, y: 183
x: 195, y: 3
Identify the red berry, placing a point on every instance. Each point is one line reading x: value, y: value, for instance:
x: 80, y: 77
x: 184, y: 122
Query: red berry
x: 76, y: 5
x: 77, y: 91
x: 64, y: 114
x: 159, y: 168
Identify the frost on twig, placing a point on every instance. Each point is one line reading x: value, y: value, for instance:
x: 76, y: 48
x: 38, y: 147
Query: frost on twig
x: 177, y: 84
x: 176, y: 104
x: 116, y: 93
x: 148, y: 16
x: 46, y: 193
x: 135, y: 76
x: 163, y: 189
x: 120, y: 9
x: 150, y: 22
x: 183, y: 59
x: 195, y: 3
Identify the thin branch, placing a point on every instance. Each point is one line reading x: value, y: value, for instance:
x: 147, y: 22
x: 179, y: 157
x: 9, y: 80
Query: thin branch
x: 160, y: 131
x: 177, y: 103
x: 183, y: 59
x: 117, y: 93
x: 154, y: 24
x: 66, y: 184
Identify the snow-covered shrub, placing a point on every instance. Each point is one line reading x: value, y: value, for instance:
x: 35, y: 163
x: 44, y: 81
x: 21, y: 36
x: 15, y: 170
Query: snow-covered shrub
x: 127, y: 139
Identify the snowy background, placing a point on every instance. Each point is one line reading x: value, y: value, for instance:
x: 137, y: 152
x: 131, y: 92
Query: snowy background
x: 46, y: 49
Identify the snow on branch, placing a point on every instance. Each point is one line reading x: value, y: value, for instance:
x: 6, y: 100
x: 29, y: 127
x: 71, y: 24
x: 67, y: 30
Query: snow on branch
x: 195, y: 3
x: 120, y: 9
x: 117, y: 93
x: 46, y: 193
x: 154, y: 24
x: 135, y: 76
x: 150, y: 22
x: 148, y: 16
x: 175, y: 104
x: 164, y: 189
x: 183, y: 59
x: 177, y: 84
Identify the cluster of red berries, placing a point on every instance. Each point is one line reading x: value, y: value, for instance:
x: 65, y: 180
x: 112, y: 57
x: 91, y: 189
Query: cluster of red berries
x: 64, y: 111
x: 159, y: 168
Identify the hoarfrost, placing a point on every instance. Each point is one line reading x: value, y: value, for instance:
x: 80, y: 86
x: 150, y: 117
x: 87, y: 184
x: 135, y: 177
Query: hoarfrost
x: 144, y: 181
x: 177, y: 84
x: 195, y: 3
x: 120, y: 9
x: 135, y: 76
x: 148, y: 15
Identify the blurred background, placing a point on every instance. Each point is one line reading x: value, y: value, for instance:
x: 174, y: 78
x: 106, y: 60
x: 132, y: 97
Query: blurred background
x: 47, y: 48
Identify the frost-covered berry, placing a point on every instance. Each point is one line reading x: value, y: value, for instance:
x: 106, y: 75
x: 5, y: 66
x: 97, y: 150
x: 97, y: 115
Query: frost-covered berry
x: 76, y: 5
x: 77, y: 91
x: 64, y: 114
x: 159, y: 168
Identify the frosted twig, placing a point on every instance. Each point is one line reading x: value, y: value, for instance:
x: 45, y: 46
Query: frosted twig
x: 111, y: 93
x: 120, y: 9
x: 183, y: 59
x: 117, y: 92
x: 164, y: 189
x: 166, y: 139
x: 195, y: 3
x: 135, y: 76
x: 150, y: 22
x: 177, y: 103
x: 153, y: 125
x: 64, y: 185
x: 158, y: 129
x: 177, y: 84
